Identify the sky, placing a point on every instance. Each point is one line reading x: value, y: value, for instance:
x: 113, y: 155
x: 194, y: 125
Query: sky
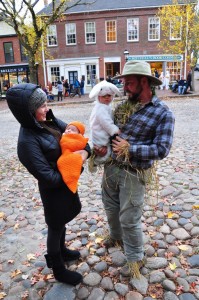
x: 39, y: 5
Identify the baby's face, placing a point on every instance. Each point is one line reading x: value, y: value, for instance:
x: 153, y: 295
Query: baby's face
x: 71, y: 129
x: 106, y: 99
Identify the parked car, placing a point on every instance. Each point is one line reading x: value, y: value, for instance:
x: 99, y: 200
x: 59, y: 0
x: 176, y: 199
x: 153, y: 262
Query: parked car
x: 196, y: 67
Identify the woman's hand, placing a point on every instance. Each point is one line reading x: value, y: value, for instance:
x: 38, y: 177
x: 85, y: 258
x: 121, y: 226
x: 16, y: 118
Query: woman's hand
x: 83, y: 153
x: 100, y: 151
x: 119, y: 145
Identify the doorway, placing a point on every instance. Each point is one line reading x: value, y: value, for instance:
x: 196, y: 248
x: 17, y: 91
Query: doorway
x: 72, y: 75
x: 111, y: 69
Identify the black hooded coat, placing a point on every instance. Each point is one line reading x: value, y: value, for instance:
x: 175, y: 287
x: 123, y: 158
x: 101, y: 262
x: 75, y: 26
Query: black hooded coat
x: 38, y: 150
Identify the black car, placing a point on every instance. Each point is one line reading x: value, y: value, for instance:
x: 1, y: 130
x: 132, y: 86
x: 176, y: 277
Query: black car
x: 196, y: 67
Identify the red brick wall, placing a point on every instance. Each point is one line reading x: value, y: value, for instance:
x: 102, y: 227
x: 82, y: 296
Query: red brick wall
x: 101, y: 48
x: 16, y: 49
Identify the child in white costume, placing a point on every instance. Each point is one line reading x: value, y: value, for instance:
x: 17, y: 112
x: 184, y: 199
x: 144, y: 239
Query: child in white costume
x: 101, y: 119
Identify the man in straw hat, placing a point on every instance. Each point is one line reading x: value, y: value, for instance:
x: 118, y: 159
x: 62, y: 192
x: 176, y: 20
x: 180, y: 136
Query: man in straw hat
x: 146, y: 126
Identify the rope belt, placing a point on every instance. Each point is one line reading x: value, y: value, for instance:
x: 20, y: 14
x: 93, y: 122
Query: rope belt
x: 122, y: 166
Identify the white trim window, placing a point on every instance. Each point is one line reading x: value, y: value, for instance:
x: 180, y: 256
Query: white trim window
x: 55, y: 75
x: 52, y: 35
x: 71, y: 34
x: 91, y: 75
x: 154, y: 29
x: 176, y: 28
x: 111, y: 32
x: 133, y: 30
x: 90, y: 33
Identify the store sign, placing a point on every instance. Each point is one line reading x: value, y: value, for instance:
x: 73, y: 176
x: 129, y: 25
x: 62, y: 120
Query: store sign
x: 156, y: 57
x: 12, y: 70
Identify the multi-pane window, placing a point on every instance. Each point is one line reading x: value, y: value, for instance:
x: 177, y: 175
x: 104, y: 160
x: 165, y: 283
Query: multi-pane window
x: 133, y: 30
x: 111, y: 33
x: 90, y: 33
x: 176, y: 28
x: 154, y: 29
x: 174, y: 70
x: 8, y: 52
x: 55, y: 74
x: 71, y: 34
x: 91, y: 74
x: 24, y: 56
x: 52, y: 35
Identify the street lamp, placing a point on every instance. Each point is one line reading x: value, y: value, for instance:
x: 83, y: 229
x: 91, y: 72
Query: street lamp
x: 126, y: 55
x: 37, y: 65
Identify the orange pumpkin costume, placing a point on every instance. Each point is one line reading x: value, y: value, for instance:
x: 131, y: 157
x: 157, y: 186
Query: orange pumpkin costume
x: 70, y: 163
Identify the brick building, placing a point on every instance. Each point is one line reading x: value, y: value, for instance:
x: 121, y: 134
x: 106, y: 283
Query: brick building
x: 91, y: 41
x: 13, y: 61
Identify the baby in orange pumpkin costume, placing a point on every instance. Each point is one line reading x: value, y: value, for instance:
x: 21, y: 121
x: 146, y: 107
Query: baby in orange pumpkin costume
x: 70, y: 163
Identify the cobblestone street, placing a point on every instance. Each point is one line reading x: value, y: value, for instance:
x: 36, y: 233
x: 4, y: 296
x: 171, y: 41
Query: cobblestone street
x: 171, y: 225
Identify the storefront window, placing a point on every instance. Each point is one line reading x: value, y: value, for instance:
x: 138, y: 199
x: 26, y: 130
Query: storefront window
x: 12, y: 76
x: 4, y: 83
x: 174, y: 70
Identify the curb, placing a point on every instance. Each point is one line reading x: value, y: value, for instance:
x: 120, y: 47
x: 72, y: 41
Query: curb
x: 162, y: 97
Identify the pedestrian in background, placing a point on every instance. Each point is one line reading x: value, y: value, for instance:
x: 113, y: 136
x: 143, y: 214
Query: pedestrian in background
x: 82, y: 86
x: 189, y: 79
x: 146, y: 126
x: 182, y: 86
x: 66, y: 88
x: 76, y: 86
x: 38, y: 151
x: 60, y: 90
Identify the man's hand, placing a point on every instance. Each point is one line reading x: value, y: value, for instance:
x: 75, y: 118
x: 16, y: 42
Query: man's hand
x: 120, y: 146
x: 100, y: 151
x: 83, y: 153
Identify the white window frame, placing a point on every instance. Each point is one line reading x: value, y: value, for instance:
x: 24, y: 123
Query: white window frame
x: 154, y: 31
x: 55, y: 74
x: 52, y: 34
x: 70, y: 31
x: 90, y: 32
x: 172, y: 37
x: 91, y: 74
x: 115, y: 27
x: 132, y: 30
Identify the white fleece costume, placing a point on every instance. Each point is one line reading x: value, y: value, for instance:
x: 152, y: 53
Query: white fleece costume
x: 101, y: 119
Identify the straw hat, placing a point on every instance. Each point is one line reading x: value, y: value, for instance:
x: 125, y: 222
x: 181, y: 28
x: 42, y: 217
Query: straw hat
x: 143, y: 68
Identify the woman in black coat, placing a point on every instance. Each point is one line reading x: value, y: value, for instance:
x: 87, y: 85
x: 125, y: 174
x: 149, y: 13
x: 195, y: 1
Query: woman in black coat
x: 38, y: 150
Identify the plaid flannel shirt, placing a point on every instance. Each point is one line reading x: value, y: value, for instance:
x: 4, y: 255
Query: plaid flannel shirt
x: 149, y: 132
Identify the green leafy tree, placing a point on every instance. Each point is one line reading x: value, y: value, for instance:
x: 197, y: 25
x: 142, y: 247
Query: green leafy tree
x: 180, y: 27
x: 30, y: 27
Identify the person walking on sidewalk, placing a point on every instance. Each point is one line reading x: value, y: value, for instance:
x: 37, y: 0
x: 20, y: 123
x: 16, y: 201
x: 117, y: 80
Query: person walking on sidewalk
x: 82, y: 86
x: 146, y: 126
x: 60, y: 89
x: 76, y: 87
x: 38, y: 151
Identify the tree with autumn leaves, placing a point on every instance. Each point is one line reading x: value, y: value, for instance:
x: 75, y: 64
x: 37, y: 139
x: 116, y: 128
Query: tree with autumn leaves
x: 31, y: 28
x: 180, y: 26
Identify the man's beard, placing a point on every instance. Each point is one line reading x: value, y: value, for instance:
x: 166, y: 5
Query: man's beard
x: 134, y: 98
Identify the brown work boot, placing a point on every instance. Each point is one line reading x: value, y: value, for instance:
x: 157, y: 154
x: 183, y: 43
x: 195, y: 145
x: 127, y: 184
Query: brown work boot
x: 109, y: 243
